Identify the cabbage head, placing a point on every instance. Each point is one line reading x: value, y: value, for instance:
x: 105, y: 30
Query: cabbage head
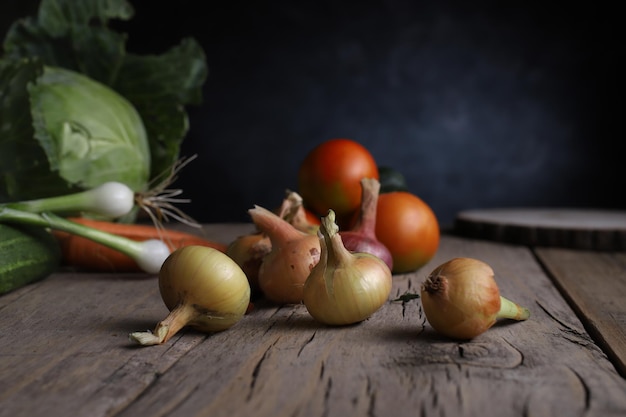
x: 77, y: 109
x: 90, y: 133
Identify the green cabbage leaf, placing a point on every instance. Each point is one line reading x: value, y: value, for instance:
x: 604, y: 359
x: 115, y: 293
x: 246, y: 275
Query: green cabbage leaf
x: 77, y: 109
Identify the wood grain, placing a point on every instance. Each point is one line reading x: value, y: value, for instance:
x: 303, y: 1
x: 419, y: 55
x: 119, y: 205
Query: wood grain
x: 64, y: 352
x: 595, y: 285
x: 549, y: 227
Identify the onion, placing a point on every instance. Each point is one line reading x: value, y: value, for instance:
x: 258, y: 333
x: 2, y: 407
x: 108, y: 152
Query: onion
x: 203, y: 288
x: 294, y: 212
x: 461, y: 299
x: 345, y: 287
x: 149, y: 254
x: 362, y: 236
x: 286, y: 267
x: 248, y: 252
x: 110, y: 200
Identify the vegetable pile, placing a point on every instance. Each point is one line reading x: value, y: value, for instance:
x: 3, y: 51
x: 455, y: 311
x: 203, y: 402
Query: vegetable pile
x: 91, y: 135
x: 342, y: 269
x: 91, y: 130
x: 78, y: 110
x: 331, y: 176
x: 344, y: 287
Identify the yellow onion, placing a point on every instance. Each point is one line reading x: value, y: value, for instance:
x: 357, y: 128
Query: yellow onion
x: 248, y: 252
x: 461, y: 299
x: 295, y: 213
x: 344, y: 287
x: 286, y: 267
x: 203, y: 288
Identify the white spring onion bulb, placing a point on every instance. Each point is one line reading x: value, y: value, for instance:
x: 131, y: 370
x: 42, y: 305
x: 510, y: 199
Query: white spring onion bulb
x: 344, y: 287
x: 111, y: 199
x: 149, y: 254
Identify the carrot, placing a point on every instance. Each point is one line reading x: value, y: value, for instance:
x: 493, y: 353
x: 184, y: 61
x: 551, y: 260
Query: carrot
x: 86, y: 254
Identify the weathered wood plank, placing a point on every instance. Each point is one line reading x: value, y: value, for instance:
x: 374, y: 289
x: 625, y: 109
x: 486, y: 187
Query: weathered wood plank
x: 283, y: 363
x: 595, y: 285
x: 64, y: 351
x: 553, y: 227
x: 63, y: 340
x: 393, y: 364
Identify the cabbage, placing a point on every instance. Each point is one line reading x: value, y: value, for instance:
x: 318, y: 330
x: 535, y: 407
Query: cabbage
x: 90, y: 133
x: 78, y: 110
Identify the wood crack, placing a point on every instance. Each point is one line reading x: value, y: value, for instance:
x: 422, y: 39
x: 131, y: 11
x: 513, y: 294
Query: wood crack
x: 305, y: 344
x: 575, y: 336
x: 371, y: 394
x: 585, y: 386
x: 256, y: 371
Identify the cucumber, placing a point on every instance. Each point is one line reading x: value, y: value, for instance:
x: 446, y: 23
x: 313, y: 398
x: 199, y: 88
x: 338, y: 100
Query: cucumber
x: 27, y: 254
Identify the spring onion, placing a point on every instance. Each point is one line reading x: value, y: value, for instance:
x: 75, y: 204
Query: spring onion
x: 149, y: 254
x: 111, y: 199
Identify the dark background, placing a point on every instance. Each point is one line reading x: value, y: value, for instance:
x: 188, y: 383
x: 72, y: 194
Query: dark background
x: 478, y: 104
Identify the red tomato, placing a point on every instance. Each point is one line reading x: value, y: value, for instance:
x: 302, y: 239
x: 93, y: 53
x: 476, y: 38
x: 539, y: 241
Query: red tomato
x: 330, y: 176
x: 409, y: 229
x: 312, y: 218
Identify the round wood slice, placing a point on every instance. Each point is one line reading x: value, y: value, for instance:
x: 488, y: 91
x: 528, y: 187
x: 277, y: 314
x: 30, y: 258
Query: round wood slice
x: 570, y: 228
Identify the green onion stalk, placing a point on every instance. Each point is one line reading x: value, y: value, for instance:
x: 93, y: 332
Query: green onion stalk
x: 149, y: 254
x: 111, y: 199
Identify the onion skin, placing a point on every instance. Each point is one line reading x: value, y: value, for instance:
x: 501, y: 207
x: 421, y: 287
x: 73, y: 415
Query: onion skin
x: 345, y: 287
x: 286, y: 267
x: 248, y: 252
x: 358, y: 242
x: 203, y: 288
x: 461, y: 299
x: 362, y: 236
x: 292, y: 210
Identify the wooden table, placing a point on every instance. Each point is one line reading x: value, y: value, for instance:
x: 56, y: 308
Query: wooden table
x: 64, y: 349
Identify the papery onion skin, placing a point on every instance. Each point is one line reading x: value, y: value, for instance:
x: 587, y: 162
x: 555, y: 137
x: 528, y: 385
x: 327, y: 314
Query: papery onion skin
x: 356, y: 242
x: 248, y: 252
x: 344, y: 287
x: 461, y: 299
x: 203, y: 288
x: 286, y: 267
x: 293, y: 211
x: 208, y: 280
x: 305, y: 221
x: 362, y: 236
